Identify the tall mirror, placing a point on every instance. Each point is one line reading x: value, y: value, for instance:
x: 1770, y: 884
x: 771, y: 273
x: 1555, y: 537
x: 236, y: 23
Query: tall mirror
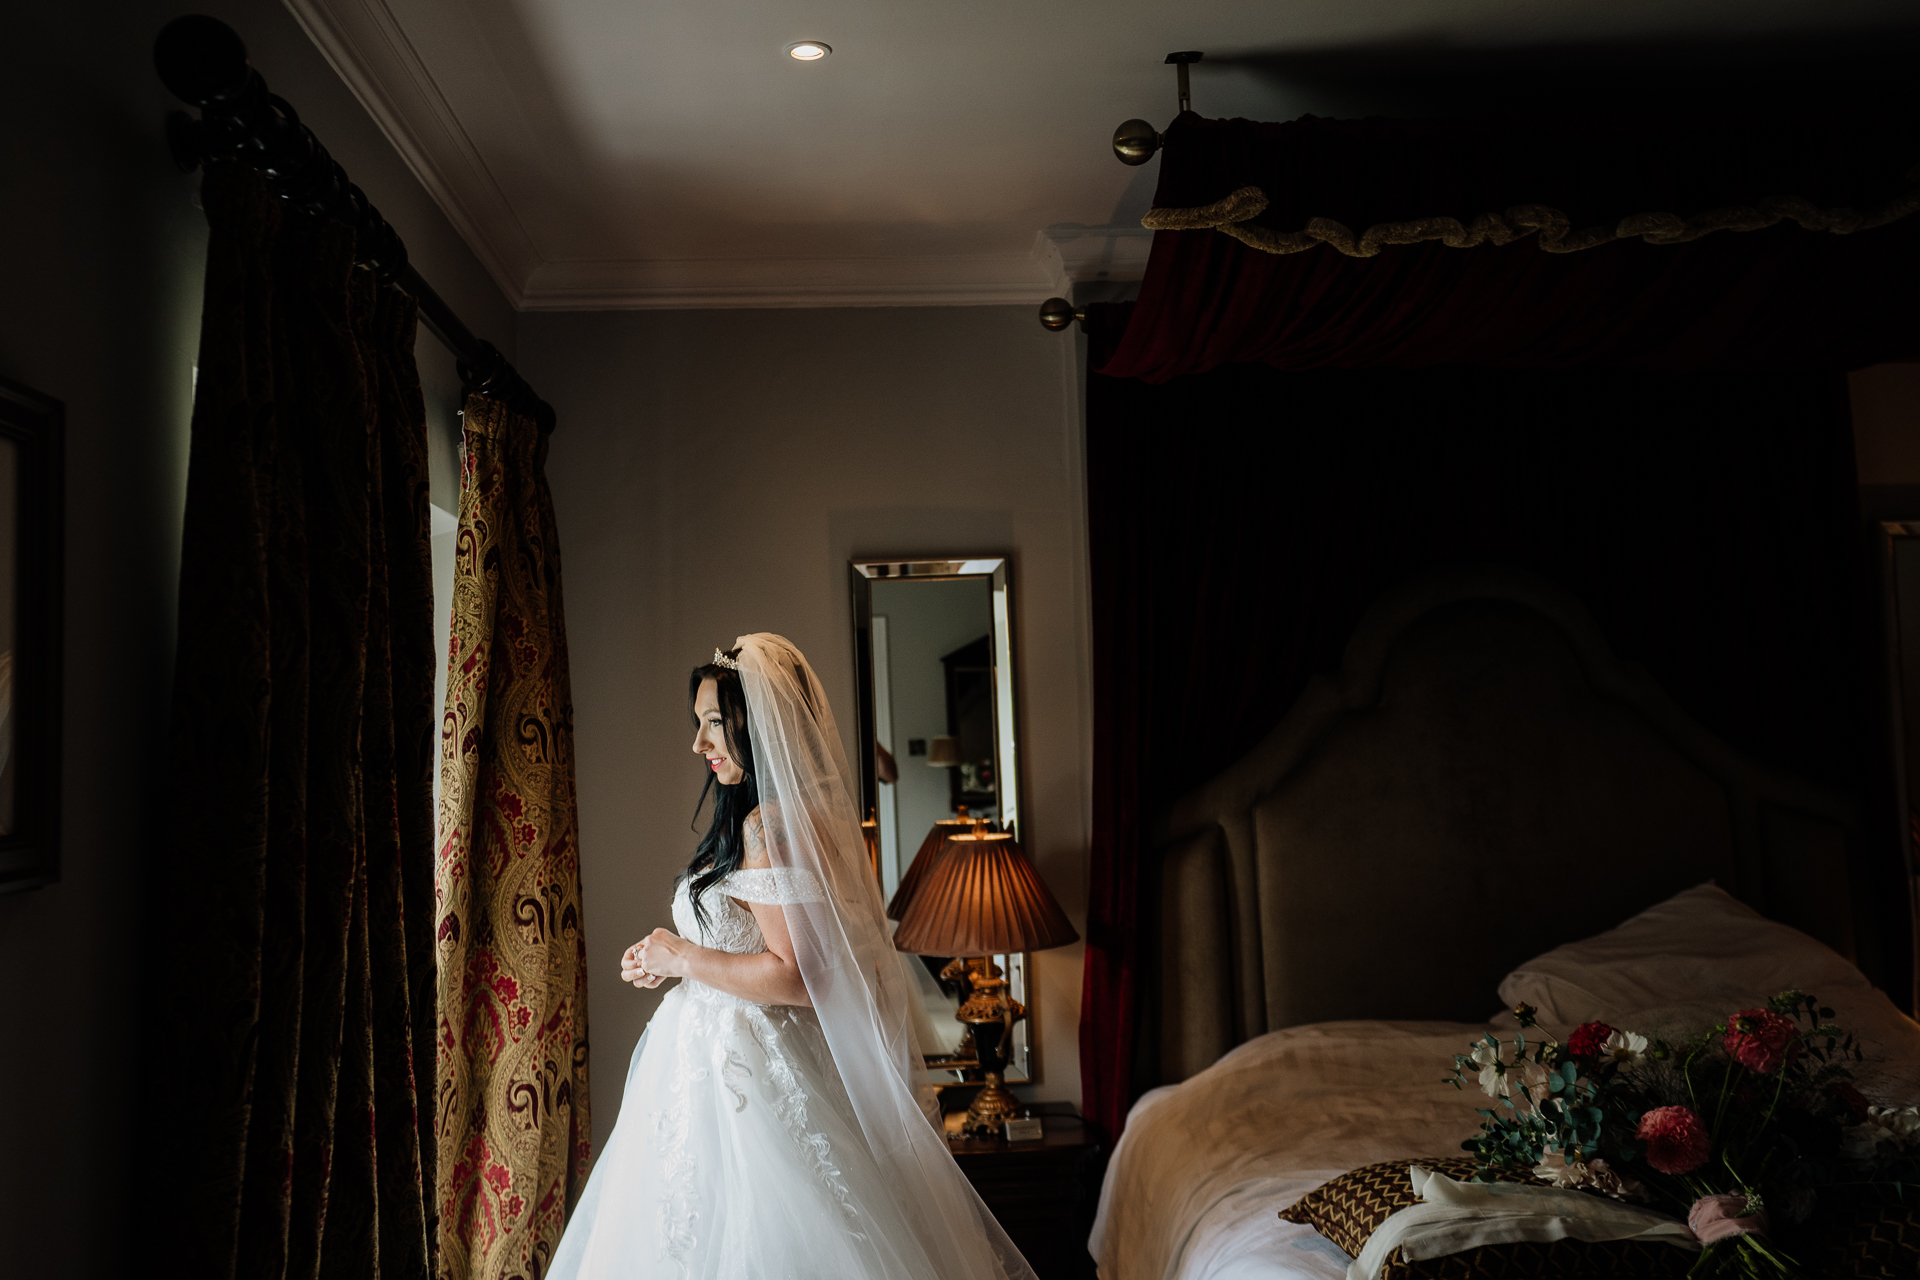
x: 939, y: 742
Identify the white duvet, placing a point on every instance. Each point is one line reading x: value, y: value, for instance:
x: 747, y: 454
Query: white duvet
x: 1205, y: 1166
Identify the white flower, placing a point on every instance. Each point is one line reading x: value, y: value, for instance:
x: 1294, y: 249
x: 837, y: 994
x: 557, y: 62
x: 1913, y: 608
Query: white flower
x: 1553, y: 1168
x: 1487, y: 1057
x: 1533, y: 1077
x: 1556, y: 1169
x: 1624, y: 1048
x: 1896, y: 1127
x: 1902, y: 1124
x: 1608, y: 1182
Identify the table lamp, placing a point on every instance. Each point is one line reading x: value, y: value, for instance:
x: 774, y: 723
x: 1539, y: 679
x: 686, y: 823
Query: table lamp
x: 923, y: 860
x: 980, y: 898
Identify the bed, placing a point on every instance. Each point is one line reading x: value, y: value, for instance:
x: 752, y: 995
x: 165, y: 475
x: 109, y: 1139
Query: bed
x: 1429, y: 835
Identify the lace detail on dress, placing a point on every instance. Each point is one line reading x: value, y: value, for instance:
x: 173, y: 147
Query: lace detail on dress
x: 774, y: 886
x: 672, y: 1130
x: 730, y: 926
x: 790, y: 1105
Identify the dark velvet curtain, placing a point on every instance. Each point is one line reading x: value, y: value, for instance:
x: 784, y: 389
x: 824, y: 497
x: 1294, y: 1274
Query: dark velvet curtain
x: 1243, y: 520
x: 291, y: 1120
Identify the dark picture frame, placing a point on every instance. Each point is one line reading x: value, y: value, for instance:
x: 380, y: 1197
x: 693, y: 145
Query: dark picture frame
x: 32, y: 524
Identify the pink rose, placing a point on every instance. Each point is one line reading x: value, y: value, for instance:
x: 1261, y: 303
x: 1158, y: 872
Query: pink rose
x: 1760, y: 1039
x: 1676, y: 1140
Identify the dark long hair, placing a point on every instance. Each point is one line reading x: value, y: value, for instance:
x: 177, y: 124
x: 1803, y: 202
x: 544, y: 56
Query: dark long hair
x: 724, y: 846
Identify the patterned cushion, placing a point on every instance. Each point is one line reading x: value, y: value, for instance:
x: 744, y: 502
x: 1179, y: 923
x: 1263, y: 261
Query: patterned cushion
x: 1874, y: 1242
x: 1347, y: 1209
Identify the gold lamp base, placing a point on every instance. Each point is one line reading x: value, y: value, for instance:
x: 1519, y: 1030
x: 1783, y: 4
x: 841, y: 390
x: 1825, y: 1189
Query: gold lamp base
x: 992, y: 1107
x: 989, y: 1015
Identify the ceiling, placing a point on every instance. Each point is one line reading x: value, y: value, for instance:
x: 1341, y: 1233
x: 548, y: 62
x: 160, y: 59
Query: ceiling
x: 665, y: 153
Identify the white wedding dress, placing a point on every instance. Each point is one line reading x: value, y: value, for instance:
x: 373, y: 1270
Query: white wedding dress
x: 767, y: 1142
x: 737, y: 1154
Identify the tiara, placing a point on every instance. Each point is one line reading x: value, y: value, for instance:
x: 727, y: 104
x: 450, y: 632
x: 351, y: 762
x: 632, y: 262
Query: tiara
x: 722, y: 660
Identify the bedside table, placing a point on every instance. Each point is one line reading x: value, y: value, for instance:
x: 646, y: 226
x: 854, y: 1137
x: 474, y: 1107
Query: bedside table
x: 1044, y: 1193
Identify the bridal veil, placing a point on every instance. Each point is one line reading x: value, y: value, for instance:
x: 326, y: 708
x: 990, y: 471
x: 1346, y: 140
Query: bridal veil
x: 809, y: 805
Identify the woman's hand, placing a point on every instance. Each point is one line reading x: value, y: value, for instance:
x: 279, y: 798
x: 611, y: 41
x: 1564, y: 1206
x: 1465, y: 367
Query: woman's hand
x: 662, y: 954
x: 764, y: 977
x: 632, y: 970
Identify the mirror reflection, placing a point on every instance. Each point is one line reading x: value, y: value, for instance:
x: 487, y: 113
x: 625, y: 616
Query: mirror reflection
x: 939, y: 754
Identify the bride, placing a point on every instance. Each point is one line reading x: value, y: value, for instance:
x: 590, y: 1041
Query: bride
x: 769, y: 1129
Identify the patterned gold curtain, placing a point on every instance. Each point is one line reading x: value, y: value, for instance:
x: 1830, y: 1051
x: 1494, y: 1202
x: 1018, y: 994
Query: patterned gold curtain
x: 512, y: 1064
x: 293, y: 885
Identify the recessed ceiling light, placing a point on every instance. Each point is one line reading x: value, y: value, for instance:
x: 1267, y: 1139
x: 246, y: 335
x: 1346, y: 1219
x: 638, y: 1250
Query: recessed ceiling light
x: 808, y: 50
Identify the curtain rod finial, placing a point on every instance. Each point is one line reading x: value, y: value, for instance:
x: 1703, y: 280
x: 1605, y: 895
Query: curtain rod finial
x: 200, y: 59
x: 1135, y: 142
x: 1057, y: 313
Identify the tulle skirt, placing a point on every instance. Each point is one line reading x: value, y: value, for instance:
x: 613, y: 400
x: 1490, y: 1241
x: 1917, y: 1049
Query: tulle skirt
x: 737, y: 1156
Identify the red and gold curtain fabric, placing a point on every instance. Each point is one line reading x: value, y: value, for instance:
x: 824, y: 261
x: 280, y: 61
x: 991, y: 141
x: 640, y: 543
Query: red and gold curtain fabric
x: 512, y: 1069
x: 295, y: 876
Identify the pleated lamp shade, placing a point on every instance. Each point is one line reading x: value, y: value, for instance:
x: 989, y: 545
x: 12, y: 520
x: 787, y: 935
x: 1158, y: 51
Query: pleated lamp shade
x: 982, y: 897
x: 923, y: 861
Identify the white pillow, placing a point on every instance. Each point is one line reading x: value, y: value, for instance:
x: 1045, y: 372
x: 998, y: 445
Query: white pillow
x: 1699, y: 948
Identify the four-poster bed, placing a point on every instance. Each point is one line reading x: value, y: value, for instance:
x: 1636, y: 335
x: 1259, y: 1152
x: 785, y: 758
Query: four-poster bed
x: 1604, y: 360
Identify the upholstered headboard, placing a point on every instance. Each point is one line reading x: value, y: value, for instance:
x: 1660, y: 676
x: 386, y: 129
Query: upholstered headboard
x: 1482, y: 780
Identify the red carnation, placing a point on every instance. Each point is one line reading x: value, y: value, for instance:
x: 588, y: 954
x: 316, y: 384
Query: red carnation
x: 1760, y: 1039
x: 1676, y: 1140
x: 1588, y: 1039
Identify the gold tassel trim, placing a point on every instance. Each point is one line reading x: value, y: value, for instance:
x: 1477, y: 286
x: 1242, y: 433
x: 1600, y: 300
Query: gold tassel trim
x: 1556, y: 233
x: 1247, y: 202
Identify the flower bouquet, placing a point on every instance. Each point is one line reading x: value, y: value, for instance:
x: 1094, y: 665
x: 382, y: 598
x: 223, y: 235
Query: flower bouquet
x: 1748, y: 1130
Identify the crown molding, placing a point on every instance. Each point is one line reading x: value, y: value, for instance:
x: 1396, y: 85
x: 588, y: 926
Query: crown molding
x: 1070, y: 253
x: 713, y: 283
x: 367, y: 49
x: 370, y: 52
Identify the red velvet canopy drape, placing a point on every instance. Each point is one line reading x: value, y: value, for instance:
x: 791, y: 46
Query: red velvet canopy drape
x: 1670, y: 438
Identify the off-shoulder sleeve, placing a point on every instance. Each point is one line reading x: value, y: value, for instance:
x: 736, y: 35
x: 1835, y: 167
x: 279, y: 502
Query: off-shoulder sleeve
x: 774, y: 886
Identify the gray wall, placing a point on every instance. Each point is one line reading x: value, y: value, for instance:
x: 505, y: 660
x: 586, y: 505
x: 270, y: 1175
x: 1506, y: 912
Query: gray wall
x: 713, y: 472
x: 101, y: 254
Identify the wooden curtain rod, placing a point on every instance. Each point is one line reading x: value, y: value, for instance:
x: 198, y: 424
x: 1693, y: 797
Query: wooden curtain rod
x: 203, y: 62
